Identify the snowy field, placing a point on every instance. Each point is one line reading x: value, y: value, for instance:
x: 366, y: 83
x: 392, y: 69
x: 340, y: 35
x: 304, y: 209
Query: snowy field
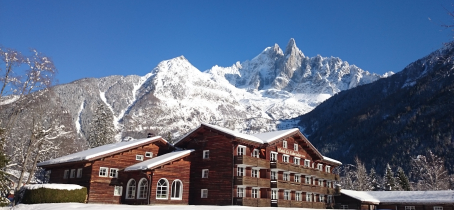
x: 69, y: 206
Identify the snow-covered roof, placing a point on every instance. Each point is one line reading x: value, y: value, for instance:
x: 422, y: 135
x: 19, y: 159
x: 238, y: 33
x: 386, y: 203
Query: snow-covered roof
x: 53, y: 186
x: 331, y: 160
x: 271, y: 136
x: 234, y: 133
x: 98, y: 151
x: 388, y: 197
x: 159, y: 160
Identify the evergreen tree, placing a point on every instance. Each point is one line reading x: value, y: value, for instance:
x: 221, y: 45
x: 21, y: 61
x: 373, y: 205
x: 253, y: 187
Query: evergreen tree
x: 102, y: 129
x: 402, y: 180
x: 389, y: 182
x: 375, y: 183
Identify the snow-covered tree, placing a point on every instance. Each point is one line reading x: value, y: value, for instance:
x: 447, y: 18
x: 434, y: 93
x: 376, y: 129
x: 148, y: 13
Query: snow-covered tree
x: 429, y: 172
x: 102, y: 130
x: 374, y: 180
x: 361, y: 180
x: 389, y: 182
x: 402, y: 180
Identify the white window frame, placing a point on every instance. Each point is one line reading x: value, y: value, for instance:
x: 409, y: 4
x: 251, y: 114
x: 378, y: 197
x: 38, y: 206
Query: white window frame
x: 118, y: 190
x: 142, y: 193
x: 287, y: 195
x: 205, y: 173
x: 176, y: 196
x: 320, y: 182
x: 298, y: 196
x: 296, y: 160
x: 206, y: 154
x: 274, y: 195
x: 113, y: 173
x: 286, y: 177
x: 161, y: 188
x: 139, y: 157
x: 79, y: 173
x: 309, y: 197
x: 255, y: 193
x: 285, y: 158
x: 204, y: 193
x: 273, y: 175
x: 284, y: 144
x: 256, y: 153
x: 241, y: 192
x: 320, y: 167
x: 149, y: 154
x: 131, y: 186
x: 295, y: 147
x: 297, y: 178
x: 241, y: 150
x: 103, y: 171
x: 307, y: 163
x: 307, y: 180
x: 66, y: 174
x: 240, y: 171
x: 328, y: 169
x: 438, y: 207
x: 273, y: 156
x: 255, y: 173
x: 409, y: 207
x: 321, y: 198
x: 72, y: 174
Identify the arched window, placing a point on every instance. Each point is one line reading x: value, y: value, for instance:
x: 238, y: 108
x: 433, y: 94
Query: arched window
x: 162, y: 189
x: 131, y: 189
x: 177, y: 190
x: 143, y: 189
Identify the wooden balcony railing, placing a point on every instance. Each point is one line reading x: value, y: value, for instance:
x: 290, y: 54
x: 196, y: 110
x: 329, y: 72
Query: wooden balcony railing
x: 280, y: 184
x: 256, y: 202
x: 252, y: 181
x: 252, y: 161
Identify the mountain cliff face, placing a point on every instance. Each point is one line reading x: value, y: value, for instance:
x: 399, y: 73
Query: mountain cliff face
x: 391, y: 120
x: 175, y: 97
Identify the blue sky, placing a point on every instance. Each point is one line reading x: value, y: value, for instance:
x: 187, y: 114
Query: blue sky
x: 101, y: 38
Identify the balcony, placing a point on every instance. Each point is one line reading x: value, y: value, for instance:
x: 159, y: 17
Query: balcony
x: 252, y: 181
x: 280, y: 184
x: 295, y: 186
x: 251, y: 161
x: 280, y: 166
x: 256, y: 202
x: 284, y: 203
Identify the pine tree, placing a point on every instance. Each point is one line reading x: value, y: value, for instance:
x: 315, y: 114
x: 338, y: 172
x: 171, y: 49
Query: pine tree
x: 375, y: 183
x: 402, y: 180
x: 102, y: 129
x: 389, y: 182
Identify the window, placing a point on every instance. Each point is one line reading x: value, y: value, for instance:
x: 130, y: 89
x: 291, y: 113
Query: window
x: 285, y: 158
x: 204, y: 193
x: 273, y: 194
x: 241, y: 150
x: 255, y: 173
x: 79, y: 173
x: 143, y: 189
x: 284, y: 144
x: 273, y: 156
x: 286, y: 195
x: 103, y: 171
x: 320, y: 182
x: 296, y: 161
x: 255, y: 193
x: 139, y: 157
x: 131, y: 189
x: 73, y: 173
x: 162, y: 189
x: 295, y: 147
x: 328, y: 184
x: 256, y: 153
x: 321, y: 198
x: 65, y: 174
x: 307, y: 163
x: 240, y: 171
x: 409, y: 207
x: 206, y: 154
x: 113, y: 173
x: 298, y: 196
x: 240, y: 192
x: 297, y: 178
x: 309, y: 197
x: 286, y: 177
x: 328, y: 169
x: 177, y: 190
x: 204, y: 173
x: 118, y: 190
x: 438, y: 207
x: 149, y: 154
x: 329, y: 199
x: 320, y: 167
x: 308, y: 180
x: 273, y: 175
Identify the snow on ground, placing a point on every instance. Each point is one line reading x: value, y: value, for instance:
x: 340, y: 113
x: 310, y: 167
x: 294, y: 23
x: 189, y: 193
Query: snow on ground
x: 59, y: 206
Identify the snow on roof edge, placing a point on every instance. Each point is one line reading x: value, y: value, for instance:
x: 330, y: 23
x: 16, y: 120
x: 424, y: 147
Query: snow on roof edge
x: 158, y: 160
x: 332, y: 160
x: 187, y: 134
x: 234, y: 133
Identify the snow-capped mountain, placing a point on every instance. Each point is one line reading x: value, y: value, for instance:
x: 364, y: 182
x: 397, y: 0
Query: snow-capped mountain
x: 251, y: 96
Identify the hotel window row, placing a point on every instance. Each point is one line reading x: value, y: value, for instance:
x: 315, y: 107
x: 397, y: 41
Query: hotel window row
x: 72, y: 173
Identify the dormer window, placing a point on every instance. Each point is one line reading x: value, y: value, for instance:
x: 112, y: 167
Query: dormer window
x: 284, y: 144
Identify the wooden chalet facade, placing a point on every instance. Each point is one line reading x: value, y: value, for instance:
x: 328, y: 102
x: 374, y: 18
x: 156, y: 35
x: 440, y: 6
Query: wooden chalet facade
x: 279, y: 168
x: 211, y: 165
x: 396, y: 200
